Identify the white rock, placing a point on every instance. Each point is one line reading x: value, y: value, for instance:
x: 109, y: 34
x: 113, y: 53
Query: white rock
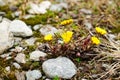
x: 88, y: 16
x: 18, y: 49
x: 88, y: 25
x: 33, y: 75
x: 20, y: 58
x: 42, y: 10
x: 17, y: 13
x: 84, y: 79
x: 30, y: 41
x: 2, y: 3
x: 0, y: 18
x: 16, y: 65
x: 35, y: 9
x: 19, y: 28
x: 28, y: 16
x: 39, y: 9
x: 5, y: 55
x: 6, y: 37
x: 61, y: 67
x: 71, y: 1
x: 58, y: 7
x: 17, y: 40
x: 45, y: 4
x: 64, y: 5
x: 107, y: 66
x: 35, y: 55
x: 7, y: 20
x: 20, y: 75
x: 48, y: 29
x: 9, y: 57
x: 36, y: 27
x: 7, y: 69
x: 112, y: 36
x: 55, y: 7
x: 60, y: 41
x: 47, y: 79
x: 7, y: 2
x: 86, y: 11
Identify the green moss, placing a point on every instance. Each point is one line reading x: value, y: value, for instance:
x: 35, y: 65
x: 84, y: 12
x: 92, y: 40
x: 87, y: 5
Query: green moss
x: 116, y: 30
x: 74, y: 27
x: 39, y: 40
x: 31, y: 48
x: 118, y: 9
x: 9, y: 15
x: 36, y: 34
x: 78, y: 60
x: 4, y: 8
x: 39, y: 19
x: 27, y: 65
x: 35, y: 64
x: 95, y: 10
x: 56, y: 78
x: 8, y: 12
x: 11, y: 76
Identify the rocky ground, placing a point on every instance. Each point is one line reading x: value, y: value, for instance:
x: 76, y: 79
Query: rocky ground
x: 59, y: 40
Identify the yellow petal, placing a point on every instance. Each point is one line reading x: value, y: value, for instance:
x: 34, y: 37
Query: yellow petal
x: 65, y: 22
x: 66, y: 36
x: 95, y: 40
x: 48, y: 37
x: 100, y: 30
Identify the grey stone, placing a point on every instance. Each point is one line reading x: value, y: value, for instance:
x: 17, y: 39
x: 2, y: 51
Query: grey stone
x: 58, y: 7
x: 2, y: 14
x: 19, y: 28
x: 2, y: 3
x: 36, y: 27
x: 86, y: 11
x: 20, y: 58
x: 7, y: 69
x: 45, y: 4
x: 17, y: 40
x: 16, y: 65
x: 27, y: 16
x: 9, y: 57
x: 112, y: 36
x: 5, y: 55
x: 34, y: 9
x: 39, y: 9
x: 88, y: 25
x: 35, y: 55
x: 48, y: 29
x: 30, y: 41
x: 17, y: 13
x: 17, y: 49
x: 55, y: 7
x: 6, y: 37
x: 20, y: 75
x: 33, y: 75
x: 61, y: 67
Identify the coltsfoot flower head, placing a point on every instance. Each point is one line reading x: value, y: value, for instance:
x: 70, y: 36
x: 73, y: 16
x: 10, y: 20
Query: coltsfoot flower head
x: 95, y: 40
x: 66, y: 36
x: 48, y: 37
x: 65, y: 22
x: 100, y: 31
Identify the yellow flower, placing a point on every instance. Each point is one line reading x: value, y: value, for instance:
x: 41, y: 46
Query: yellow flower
x: 95, y: 40
x: 65, y: 22
x: 48, y: 37
x: 66, y: 36
x: 100, y: 30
